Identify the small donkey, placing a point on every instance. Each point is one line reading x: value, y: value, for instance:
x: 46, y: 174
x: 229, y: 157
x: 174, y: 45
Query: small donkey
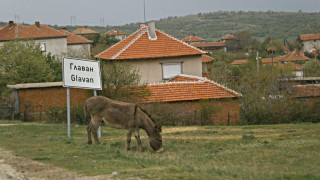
x: 121, y: 115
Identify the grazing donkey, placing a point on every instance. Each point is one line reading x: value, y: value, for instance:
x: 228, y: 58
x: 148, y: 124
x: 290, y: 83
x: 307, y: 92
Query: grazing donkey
x: 121, y: 115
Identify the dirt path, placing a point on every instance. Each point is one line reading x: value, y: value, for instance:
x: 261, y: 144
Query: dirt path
x: 14, y: 167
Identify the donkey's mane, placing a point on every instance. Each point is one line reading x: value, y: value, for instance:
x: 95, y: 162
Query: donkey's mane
x: 149, y: 115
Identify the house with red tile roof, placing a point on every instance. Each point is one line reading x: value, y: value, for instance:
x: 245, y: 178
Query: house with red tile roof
x: 289, y: 59
x: 50, y: 40
x: 117, y: 34
x: 227, y: 37
x: 157, y: 55
x: 190, y: 90
x: 310, y: 41
x: 78, y: 44
x: 293, y: 56
x: 192, y: 39
x: 84, y: 31
x: 187, y: 88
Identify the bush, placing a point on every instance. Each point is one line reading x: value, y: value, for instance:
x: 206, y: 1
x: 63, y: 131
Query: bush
x: 59, y: 115
x: 183, y: 114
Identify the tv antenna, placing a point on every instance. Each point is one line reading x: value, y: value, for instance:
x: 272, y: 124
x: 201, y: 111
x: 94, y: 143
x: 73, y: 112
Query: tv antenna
x: 144, y: 10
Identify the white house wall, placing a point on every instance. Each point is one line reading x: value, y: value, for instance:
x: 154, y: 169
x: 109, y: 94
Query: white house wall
x: 310, y: 45
x: 84, y: 49
x: 151, y: 69
x: 56, y: 46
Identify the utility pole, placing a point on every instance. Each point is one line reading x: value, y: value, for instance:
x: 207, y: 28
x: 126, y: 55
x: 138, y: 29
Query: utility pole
x: 16, y: 18
x: 73, y: 19
x: 258, y: 58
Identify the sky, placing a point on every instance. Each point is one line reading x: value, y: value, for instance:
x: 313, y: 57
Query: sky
x: 120, y: 12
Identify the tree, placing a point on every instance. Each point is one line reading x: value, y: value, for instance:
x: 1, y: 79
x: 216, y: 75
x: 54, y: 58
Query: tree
x: 104, y: 42
x: 245, y: 42
x: 311, y: 68
x: 122, y: 81
x: 23, y: 62
x: 56, y: 67
x: 272, y: 43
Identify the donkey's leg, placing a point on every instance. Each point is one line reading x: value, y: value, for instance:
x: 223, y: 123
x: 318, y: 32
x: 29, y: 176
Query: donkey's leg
x: 89, y: 130
x: 95, y: 125
x: 129, y: 133
x: 137, y: 136
x: 95, y: 132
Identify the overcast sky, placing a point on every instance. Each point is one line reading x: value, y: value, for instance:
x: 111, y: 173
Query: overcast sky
x: 120, y: 12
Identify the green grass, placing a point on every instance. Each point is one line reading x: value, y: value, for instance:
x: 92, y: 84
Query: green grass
x: 211, y: 152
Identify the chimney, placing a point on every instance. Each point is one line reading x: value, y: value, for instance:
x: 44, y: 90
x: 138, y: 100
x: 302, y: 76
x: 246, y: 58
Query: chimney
x: 141, y: 25
x: 152, y: 30
x: 11, y: 23
x: 37, y: 23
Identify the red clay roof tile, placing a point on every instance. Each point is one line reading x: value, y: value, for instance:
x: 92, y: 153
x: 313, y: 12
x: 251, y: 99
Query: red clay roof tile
x: 239, y: 62
x: 190, y: 39
x: 206, y: 58
x: 186, y: 88
x: 18, y: 31
x: 84, y: 30
x: 75, y: 39
x: 139, y: 46
x: 228, y: 36
x: 292, y: 56
x: 306, y: 37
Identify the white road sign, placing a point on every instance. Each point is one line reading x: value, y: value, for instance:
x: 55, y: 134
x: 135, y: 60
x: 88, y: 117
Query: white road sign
x: 81, y: 73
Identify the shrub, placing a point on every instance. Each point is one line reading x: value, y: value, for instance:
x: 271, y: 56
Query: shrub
x: 59, y: 115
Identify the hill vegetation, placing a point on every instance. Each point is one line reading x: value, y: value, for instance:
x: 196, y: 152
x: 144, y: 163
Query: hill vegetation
x: 214, y: 25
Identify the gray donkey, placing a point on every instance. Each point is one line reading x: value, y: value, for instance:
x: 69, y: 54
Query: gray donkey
x: 121, y: 115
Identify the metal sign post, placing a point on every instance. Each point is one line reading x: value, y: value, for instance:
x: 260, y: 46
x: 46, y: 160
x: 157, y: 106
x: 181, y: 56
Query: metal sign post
x: 80, y: 73
x: 68, y: 112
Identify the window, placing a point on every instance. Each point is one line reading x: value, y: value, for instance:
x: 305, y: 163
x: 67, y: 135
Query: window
x: 170, y: 70
x: 43, y: 46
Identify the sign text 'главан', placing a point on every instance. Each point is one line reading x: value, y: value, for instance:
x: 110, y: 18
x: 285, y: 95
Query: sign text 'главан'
x: 79, y: 73
x: 81, y: 68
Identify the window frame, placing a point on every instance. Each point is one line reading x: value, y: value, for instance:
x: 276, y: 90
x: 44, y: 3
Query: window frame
x: 43, y: 46
x: 168, y: 64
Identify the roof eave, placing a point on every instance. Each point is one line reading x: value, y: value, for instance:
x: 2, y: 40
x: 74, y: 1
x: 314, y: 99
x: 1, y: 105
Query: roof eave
x: 144, y: 58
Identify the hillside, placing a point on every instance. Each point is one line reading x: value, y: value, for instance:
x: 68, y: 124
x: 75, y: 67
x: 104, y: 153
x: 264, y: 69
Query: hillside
x: 212, y: 26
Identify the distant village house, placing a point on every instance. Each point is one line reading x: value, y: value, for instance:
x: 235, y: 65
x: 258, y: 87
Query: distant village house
x: 120, y: 35
x: 50, y: 40
x: 310, y: 42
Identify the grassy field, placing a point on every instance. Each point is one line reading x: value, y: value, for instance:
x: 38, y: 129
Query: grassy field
x: 210, y: 152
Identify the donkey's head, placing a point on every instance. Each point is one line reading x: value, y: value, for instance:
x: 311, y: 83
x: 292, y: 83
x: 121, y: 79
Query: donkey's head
x: 156, y: 139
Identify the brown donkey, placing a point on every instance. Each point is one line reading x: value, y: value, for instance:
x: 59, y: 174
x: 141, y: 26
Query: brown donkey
x: 121, y: 115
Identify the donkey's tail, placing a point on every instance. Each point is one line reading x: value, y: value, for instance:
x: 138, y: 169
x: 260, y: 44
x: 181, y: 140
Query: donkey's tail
x: 86, y: 114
